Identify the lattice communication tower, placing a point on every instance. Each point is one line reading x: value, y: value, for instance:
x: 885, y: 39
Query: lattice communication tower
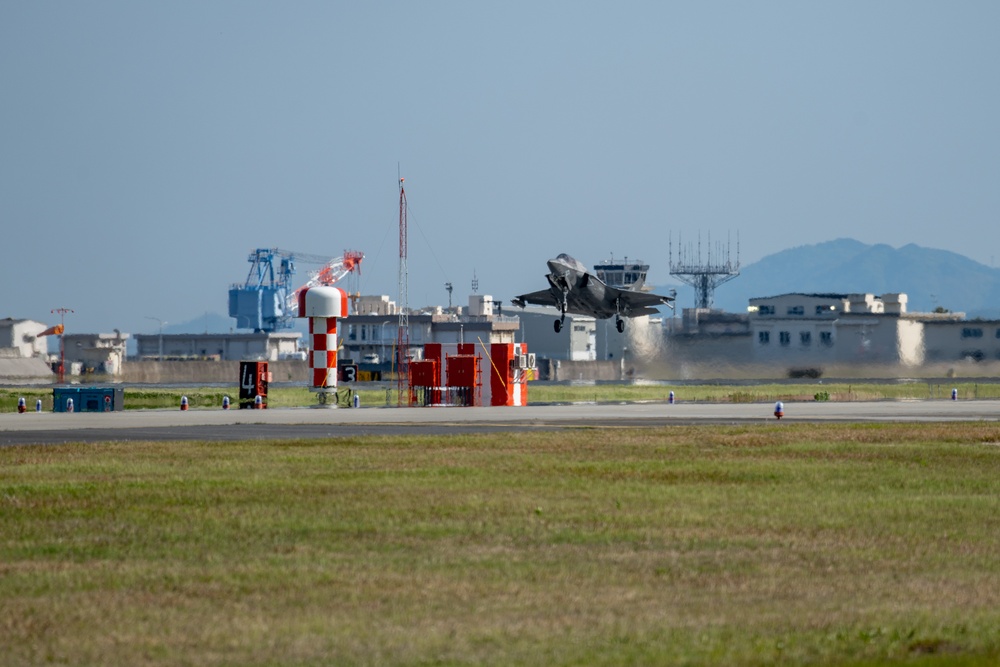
x: 704, y: 274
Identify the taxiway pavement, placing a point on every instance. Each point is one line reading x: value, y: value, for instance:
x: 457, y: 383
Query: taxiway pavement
x: 234, y: 424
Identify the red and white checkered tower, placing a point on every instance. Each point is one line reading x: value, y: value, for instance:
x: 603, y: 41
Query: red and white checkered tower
x: 323, y: 305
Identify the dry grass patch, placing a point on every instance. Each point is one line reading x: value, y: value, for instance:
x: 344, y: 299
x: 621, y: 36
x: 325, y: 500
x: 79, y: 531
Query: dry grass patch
x: 741, y: 545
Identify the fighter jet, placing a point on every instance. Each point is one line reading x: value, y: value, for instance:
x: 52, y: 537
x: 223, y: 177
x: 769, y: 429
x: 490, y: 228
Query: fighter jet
x: 573, y: 290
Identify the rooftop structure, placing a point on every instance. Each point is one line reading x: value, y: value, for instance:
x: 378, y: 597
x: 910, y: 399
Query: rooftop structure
x: 623, y: 274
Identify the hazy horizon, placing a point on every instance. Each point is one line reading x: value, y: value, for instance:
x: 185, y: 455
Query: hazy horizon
x: 147, y: 148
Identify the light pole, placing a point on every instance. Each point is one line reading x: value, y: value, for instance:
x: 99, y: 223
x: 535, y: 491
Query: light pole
x: 162, y: 322
x: 62, y: 346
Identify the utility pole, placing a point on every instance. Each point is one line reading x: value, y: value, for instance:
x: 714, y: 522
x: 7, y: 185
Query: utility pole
x: 403, y: 332
x: 62, y: 345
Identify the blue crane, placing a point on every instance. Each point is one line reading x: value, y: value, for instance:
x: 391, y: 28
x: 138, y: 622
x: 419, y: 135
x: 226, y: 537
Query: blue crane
x: 266, y: 301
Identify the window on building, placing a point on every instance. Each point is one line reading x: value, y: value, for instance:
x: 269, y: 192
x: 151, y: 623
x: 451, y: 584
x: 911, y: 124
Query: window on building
x: 972, y: 332
x: 766, y: 310
x: 364, y: 332
x: 824, y: 309
x: 784, y: 338
x: 826, y: 338
x: 998, y: 333
x: 805, y: 337
x: 796, y: 310
x: 763, y: 337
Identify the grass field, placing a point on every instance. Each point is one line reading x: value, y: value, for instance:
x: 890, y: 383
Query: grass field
x: 749, y: 545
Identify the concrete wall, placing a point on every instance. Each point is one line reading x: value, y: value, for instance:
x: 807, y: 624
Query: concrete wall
x: 559, y: 370
x: 179, y: 372
x: 16, y: 369
x: 961, y: 340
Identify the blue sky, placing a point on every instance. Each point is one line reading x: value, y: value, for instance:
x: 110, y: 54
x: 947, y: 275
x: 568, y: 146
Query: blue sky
x: 146, y: 148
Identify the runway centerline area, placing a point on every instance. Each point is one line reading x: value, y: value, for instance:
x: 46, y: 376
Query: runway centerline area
x: 284, y: 423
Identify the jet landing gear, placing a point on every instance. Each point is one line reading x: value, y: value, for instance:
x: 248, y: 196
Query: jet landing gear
x: 562, y: 314
x: 620, y: 309
x: 562, y: 319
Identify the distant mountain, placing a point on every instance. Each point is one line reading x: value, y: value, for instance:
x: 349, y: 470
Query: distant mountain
x: 930, y: 278
x: 207, y: 323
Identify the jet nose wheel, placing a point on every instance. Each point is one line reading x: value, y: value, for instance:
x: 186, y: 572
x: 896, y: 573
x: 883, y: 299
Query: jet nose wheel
x: 620, y: 325
x: 558, y: 326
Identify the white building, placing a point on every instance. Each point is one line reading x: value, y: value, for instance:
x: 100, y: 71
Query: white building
x: 260, y: 346
x: 95, y: 353
x: 23, y: 351
x: 962, y: 341
x: 374, y: 305
x: 21, y: 338
x: 806, y: 330
x: 806, y: 334
x: 576, y: 342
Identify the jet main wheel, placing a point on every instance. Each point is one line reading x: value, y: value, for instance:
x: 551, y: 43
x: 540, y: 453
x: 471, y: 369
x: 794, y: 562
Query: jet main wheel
x: 558, y: 326
x: 620, y: 325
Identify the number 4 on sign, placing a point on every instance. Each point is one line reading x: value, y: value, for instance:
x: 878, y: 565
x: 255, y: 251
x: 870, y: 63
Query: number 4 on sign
x: 246, y: 382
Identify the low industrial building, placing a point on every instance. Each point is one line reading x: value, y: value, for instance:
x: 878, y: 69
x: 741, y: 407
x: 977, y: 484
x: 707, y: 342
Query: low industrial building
x: 577, y: 341
x: 23, y: 338
x: 102, y: 353
x: 814, y: 334
x: 23, y: 350
x: 371, y: 338
x: 947, y: 341
x: 262, y: 346
x: 816, y: 330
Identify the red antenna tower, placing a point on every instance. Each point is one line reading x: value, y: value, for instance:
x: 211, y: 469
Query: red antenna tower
x: 403, y: 333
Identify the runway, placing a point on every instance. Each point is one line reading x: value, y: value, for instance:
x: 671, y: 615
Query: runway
x: 284, y: 423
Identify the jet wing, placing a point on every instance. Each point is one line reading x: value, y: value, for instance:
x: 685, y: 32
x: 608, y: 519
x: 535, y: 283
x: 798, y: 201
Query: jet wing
x: 540, y: 298
x: 640, y: 303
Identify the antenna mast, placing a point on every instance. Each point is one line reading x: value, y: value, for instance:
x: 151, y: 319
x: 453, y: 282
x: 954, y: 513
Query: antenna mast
x: 403, y: 333
x: 704, y: 277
